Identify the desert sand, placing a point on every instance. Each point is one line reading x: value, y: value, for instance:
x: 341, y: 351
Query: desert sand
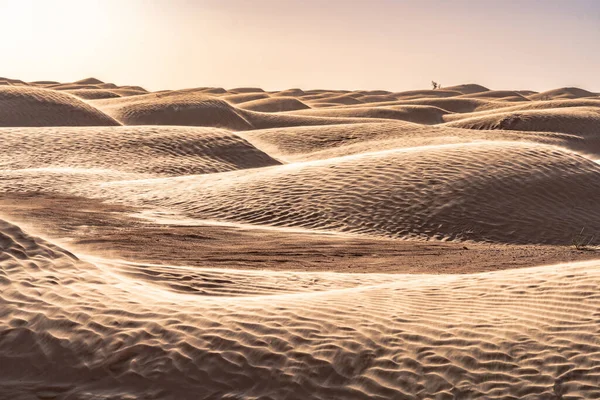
x: 214, y: 243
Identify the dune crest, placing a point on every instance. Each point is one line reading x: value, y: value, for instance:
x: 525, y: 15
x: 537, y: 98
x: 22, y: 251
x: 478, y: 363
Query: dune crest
x: 28, y: 106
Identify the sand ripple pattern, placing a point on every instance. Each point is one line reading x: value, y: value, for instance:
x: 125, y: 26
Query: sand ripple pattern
x: 29, y: 106
x: 156, y: 151
x: 305, y: 143
x: 489, y: 191
x: 521, y: 334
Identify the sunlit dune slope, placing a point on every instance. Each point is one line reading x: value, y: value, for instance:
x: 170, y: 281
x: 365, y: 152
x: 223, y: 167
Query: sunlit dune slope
x: 29, y: 106
x: 419, y: 114
x: 493, y: 108
x: 583, y: 121
x: 166, y: 151
x: 186, y: 108
x: 304, y: 143
x: 449, y: 104
x: 493, y: 191
x: 562, y: 93
x: 95, y: 328
x: 243, y: 97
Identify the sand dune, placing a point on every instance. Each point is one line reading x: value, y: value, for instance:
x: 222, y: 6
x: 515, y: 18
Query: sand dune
x: 582, y: 121
x: 418, y: 114
x: 136, y: 330
x: 193, y: 108
x: 197, y: 109
x: 346, y: 99
x: 246, y: 90
x: 277, y: 104
x: 10, y: 82
x: 89, y: 81
x: 304, y: 143
x: 418, y: 94
x: 562, y: 93
x: 532, y: 105
x: 496, y: 191
x: 467, y: 88
x: 28, y: 106
x: 244, y: 97
x: 92, y: 94
x: 44, y: 83
x: 204, y: 252
x: 502, y: 95
x: 166, y: 151
x: 377, y: 98
x: 450, y: 104
x: 290, y: 93
x: 124, y: 92
x: 72, y: 86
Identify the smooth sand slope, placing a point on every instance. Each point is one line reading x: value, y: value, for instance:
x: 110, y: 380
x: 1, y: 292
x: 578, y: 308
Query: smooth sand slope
x: 203, y: 250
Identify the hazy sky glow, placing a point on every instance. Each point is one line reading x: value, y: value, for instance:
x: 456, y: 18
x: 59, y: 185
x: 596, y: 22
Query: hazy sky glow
x: 278, y: 44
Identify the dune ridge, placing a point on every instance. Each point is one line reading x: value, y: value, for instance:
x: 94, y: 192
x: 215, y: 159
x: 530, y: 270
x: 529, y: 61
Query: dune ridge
x: 27, y: 106
x: 167, y: 151
x: 494, y: 191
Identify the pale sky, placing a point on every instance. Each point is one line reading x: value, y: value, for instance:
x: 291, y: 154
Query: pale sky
x: 278, y: 44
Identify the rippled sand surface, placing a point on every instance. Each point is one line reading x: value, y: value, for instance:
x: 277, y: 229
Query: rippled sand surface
x: 303, y: 244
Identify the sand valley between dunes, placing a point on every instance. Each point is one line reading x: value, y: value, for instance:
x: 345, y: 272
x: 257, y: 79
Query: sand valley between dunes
x: 301, y: 244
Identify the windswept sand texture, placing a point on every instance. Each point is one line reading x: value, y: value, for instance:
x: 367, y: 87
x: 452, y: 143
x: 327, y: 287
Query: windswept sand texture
x: 28, y: 106
x: 298, y: 244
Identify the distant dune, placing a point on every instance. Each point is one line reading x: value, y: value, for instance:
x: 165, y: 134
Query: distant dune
x: 418, y: 94
x: 419, y: 114
x: 562, y: 93
x: 246, y: 90
x: 507, y: 95
x: 28, y: 106
x: 584, y: 121
x: 277, y: 104
x: 244, y: 97
x: 91, y: 94
x: 467, y: 88
x: 197, y: 109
